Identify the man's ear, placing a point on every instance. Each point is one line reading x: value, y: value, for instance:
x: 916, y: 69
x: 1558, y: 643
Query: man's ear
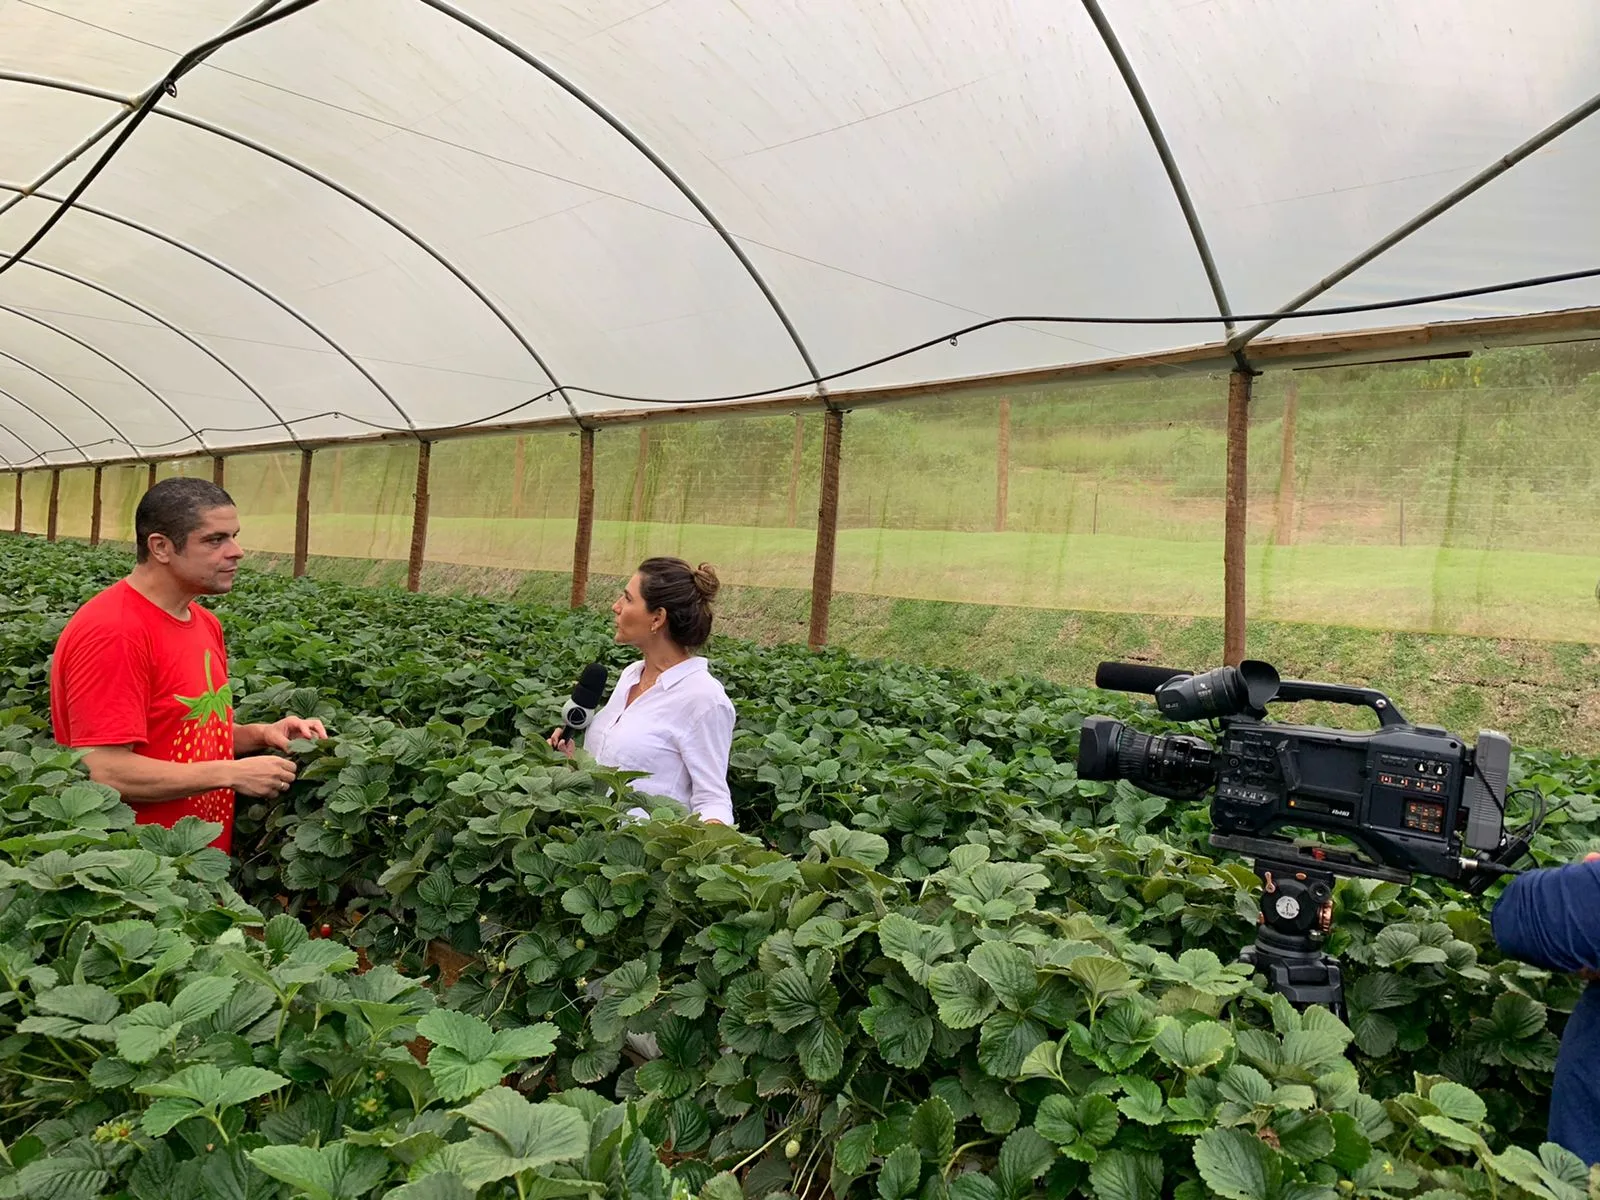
x: 160, y: 547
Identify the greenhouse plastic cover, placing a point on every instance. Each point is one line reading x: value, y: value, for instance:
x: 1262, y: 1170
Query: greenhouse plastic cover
x: 518, y: 210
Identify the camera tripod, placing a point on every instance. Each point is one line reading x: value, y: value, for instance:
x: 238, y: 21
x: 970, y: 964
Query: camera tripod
x: 1296, y: 913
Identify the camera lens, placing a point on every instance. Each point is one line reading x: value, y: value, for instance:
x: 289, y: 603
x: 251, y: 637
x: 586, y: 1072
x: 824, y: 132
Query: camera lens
x: 1171, y: 765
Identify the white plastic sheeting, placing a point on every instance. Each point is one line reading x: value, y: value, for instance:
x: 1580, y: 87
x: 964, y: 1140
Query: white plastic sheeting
x: 890, y: 169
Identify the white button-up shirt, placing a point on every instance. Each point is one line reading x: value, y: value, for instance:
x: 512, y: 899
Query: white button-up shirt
x: 679, y: 732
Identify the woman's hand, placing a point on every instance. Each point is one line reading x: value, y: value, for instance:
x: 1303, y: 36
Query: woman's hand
x: 556, y: 742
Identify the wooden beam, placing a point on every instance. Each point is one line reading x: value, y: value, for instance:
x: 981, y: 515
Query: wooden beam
x: 302, y: 515
x: 827, y: 528
x: 1002, y: 470
x: 1233, y: 552
x: 96, y: 507
x: 585, y: 535
x: 419, y: 518
x: 53, y: 513
x: 17, y: 525
x: 150, y: 478
x: 218, y: 470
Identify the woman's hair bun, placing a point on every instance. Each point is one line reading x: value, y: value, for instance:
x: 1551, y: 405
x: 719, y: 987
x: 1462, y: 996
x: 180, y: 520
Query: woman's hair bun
x: 706, y: 582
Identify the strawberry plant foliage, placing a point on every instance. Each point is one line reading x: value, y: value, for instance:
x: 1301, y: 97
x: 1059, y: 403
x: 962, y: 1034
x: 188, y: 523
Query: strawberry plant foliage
x: 929, y: 963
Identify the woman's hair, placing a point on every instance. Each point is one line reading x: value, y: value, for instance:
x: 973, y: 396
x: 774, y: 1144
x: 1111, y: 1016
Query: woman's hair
x: 685, y: 592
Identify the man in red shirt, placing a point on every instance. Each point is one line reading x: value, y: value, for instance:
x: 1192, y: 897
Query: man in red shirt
x: 140, y: 673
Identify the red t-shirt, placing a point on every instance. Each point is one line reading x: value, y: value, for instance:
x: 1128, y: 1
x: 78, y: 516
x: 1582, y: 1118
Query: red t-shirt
x: 128, y: 673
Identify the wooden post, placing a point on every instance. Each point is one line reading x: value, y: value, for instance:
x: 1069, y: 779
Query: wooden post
x: 54, y: 511
x: 580, y: 545
x: 1002, y: 474
x: 1283, y: 525
x: 794, y: 467
x: 1233, y: 593
x: 150, y: 478
x: 302, y: 515
x: 218, y: 469
x: 96, y: 507
x: 827, y: 527
x: 419, y: 518
x: 636, y: 512
x: 17, y: 526
x: 519, y: 468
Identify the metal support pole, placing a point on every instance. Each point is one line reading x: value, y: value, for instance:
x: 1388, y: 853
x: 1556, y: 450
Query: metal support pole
x: 585, y: 537
x: 419, y: 518
x: 1233, y: 554
x: 302, y: 515
x: 827, y: 527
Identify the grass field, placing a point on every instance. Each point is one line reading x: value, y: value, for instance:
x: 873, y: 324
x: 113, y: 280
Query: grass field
x: 1425, y: 589
x: 1544, y: 694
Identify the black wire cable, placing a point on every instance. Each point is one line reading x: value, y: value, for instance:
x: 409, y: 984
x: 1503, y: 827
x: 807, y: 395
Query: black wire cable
x: 167, y: 87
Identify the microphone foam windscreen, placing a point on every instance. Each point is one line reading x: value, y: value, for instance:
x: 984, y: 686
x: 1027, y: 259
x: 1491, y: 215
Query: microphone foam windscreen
x: 591, y: 685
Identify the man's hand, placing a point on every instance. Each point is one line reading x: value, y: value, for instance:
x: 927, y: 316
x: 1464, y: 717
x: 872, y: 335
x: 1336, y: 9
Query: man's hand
x: 265, y: 777
x: 277, y: 735
x: 557, y: 742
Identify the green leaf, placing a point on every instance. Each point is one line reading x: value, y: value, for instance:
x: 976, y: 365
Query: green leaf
x: 794, y: 999
x: 1193, y: 1048
x: 87, y: 1003
x: 1126, y: 1175
x: 963, y: 998
x: 853, y: 1152
x: 628, y: 991
x: 534, y: 1134
x: 917, y: 948
x: 1104, y: 978
x: 339, y: 1171
x: 1024, y: 1156
x: 933, y: 1130
x: 1515, y: 1017
x: 1351, y: 1147
x: 836, y: 841
x: 1306, y: 1138
x: 821, y: 1050
x: 1005, y: 1043
x: 1236, y: 1165
x: 1245, y: 1085
x: 1452, y: 1132
x: 1143, y: 1102
x: 1009, y: 970
x: 165, y: 1114
x: 1458, y: 1103
x: 469, y: 1036
x: 147, y: 1031
x: 202, y: 997
x: 901, y: 1172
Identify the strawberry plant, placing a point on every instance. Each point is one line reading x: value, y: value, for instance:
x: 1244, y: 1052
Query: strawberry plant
x: 930, y: 962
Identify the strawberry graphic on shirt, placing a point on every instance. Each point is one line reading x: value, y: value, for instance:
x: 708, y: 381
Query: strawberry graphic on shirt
x: 207, y: 736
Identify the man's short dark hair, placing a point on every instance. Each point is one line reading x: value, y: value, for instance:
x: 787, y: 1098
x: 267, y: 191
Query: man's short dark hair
x: 174, y: 508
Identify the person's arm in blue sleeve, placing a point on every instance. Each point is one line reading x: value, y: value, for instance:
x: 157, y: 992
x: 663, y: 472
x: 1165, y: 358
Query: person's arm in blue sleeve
x: 1551, y: 918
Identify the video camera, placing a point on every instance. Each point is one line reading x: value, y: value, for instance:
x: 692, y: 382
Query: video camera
x: 1415, y: 798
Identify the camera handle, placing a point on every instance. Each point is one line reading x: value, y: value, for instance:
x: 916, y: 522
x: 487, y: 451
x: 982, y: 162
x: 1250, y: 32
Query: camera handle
x: 1296, y: 911
x: 1336, y: 693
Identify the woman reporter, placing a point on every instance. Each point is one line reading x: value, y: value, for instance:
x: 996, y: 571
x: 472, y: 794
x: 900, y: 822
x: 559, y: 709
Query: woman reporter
x: 668, y: 715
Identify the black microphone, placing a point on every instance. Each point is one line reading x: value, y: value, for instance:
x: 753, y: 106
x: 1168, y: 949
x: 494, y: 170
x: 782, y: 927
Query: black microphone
x: 1134, y: 677
x: 586, y: 696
